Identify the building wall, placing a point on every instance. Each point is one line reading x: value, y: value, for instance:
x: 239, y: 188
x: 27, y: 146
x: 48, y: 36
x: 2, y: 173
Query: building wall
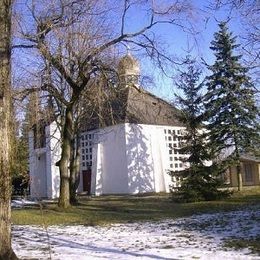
x: 44, y: 175
x: 255, y: 167
x: 53, y: 149
x: 125, y: 159
x: 111, y: 173
x: 97, y: 169
x: 131, y: 158
x: 160, y: 159
x: 140, y: 159
x: 37, y: 167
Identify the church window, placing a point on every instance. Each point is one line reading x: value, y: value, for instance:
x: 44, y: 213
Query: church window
x: 170, y: 151
x: 176, y: 165
x: 86, y: 150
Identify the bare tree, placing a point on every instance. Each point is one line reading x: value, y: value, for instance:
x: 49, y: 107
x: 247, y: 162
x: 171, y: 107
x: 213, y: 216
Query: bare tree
x: 79, y: 39
x: 6, y: 251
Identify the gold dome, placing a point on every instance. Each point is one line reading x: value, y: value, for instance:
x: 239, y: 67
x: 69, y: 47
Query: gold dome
x: 128, y: 65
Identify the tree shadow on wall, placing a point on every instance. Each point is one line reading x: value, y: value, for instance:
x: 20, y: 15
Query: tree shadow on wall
x: 139, y: 160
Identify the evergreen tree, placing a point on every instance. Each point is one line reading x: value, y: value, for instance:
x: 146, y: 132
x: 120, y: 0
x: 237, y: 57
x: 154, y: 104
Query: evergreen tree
x: 197, y: 180
x: 230, y: 102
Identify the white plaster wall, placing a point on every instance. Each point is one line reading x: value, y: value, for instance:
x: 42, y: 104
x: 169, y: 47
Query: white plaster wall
x: 44, y: 175
x: 130, y: 158
x: 96, y: 178
x: 109, y: 172
x: 160, y: 158
x: 148, y: 158
x: 37, y: 168
x: 53, y: 148
x: 112, y: 170
x: 127, y: 158
x: 140, y: 162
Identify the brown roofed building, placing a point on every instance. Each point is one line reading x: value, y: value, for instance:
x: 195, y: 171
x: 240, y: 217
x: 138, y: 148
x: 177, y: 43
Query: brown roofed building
x: 129, y: 142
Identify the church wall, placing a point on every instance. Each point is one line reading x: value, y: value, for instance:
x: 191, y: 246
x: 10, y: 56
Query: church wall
x: 159, y: 153
x: 150, y: 157
x: 140, y: 162
x: 111, y: 173
x: 37, y: 167
x: 126, y: 159
x: 53, y: 155
x: 97, y: 177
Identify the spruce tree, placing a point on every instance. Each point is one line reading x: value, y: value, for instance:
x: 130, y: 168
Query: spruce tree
x: 197, y: 180
x: 230, y: 102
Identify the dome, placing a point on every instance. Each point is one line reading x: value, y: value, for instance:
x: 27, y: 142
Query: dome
x: 128, y: 65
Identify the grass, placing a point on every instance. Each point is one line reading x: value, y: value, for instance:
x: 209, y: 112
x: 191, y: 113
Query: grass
x: 120, y: 209
x: 253, y: 244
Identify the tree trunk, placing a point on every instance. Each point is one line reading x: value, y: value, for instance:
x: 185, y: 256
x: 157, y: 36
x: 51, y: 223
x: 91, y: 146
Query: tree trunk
x: 64, y: 164
x: 6, y: 251
x: 75, y: 170
x: 239, y: 178
x: 238, y: 166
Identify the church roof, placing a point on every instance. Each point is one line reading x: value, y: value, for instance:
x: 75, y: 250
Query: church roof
x: 134, y: 105
x: 145, y: 108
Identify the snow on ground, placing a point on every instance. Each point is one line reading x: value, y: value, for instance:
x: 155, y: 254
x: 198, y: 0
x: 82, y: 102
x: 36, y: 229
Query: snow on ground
x: 195, y: 237
x: 21, y: 203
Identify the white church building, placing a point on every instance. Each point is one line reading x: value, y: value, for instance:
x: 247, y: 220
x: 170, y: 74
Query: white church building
x: 133, y: 155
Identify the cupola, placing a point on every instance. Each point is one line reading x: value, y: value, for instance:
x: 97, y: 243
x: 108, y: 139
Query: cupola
x: 129, y: 70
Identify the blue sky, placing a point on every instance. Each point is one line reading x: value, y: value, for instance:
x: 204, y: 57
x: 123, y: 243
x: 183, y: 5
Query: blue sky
x: 175, y: 41
x: 178, y: 42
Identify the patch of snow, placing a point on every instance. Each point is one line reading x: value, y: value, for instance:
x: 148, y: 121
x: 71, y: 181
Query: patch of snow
x: 198, y: 236
x: 21, y: 203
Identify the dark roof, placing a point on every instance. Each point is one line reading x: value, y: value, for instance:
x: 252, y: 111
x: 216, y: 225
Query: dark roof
x: 250, y: 158
x: 134, y: 105
x: 145, y: 108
